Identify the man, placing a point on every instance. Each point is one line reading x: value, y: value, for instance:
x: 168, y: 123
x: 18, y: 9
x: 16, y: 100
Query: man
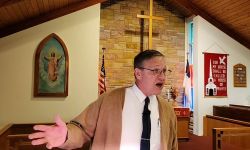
x: 119, y: 119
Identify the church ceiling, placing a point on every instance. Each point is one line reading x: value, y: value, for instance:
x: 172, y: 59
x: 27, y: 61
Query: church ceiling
x: 230, y: 16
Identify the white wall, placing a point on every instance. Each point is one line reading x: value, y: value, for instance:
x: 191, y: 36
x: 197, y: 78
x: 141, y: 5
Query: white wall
x: 80, y: 33
x: 208, y: 38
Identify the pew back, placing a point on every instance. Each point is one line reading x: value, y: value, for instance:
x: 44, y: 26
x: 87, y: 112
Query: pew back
x: 15, y: 137
x: 238, y: 137
x: 239, y: 106
x: 236, y: 112
x: 210, y: 122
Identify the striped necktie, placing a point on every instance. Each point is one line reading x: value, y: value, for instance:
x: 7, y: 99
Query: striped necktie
x: 146, y: 130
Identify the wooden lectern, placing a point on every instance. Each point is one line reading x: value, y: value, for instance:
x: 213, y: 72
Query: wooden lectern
x: 183, y: 117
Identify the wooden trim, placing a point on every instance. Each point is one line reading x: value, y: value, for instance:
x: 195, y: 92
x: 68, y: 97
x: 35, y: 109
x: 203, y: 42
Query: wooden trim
x: 230, y: 32
x: 5, y: 128
x: 234, y: 129
x: 47, y: 17
x: 229, y: 120
x: 205, y: 128
x: 17, y: 135
x: 214, y: 139
x: 4, y: 3
x: 239, y: 106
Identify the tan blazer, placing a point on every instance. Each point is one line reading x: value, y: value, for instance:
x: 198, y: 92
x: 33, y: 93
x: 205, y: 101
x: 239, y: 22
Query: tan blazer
x: 102, y: 121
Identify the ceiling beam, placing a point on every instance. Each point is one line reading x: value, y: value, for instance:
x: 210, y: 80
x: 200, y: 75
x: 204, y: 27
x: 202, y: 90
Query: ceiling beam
x: 230, y: 32
x: 4, y: 3
x: 47, y: 17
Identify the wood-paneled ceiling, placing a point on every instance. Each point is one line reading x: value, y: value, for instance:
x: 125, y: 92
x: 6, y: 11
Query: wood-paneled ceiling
x: 230, y: 16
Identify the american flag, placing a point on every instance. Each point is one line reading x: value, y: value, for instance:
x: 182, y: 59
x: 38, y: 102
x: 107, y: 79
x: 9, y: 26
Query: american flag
x: 188, y: 85
x: 101, y: 80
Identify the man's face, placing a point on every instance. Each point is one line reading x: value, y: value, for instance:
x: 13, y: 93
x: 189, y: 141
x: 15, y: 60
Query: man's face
x: 150, y: 78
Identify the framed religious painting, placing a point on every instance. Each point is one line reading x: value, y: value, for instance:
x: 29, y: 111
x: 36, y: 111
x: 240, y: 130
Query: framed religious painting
x: 51, y: 68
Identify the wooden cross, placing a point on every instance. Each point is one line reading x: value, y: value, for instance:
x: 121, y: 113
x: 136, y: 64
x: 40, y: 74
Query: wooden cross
x: 141, y: 31
x: 150, y: 17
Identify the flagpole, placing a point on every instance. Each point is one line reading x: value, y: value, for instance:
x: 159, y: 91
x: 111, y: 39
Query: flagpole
x: 103, y: 49
x: 102, y: 76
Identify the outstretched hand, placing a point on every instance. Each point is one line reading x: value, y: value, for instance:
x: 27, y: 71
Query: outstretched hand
x: 51, y: 135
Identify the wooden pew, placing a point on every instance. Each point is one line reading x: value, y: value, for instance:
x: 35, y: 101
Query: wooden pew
x: 239, y: 106
x: 226, y: 126
x: 19, y: 142
x: 238, y: 138
x: 15, y: 137
x: 232, y: 111
x: 210, y: 122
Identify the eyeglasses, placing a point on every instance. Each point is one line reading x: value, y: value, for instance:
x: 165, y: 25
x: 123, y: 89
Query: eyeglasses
x: 156, y: 71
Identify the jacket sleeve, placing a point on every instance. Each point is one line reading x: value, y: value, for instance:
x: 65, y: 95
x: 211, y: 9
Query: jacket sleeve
x: 88, y: 119
x: 168, y: 120
x: 174, y: 132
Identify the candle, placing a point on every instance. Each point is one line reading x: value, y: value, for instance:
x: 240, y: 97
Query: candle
x: 168, y: 94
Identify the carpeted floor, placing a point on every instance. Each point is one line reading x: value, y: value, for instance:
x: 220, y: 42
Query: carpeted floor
x: 202, y: 143
x: 196, y: 143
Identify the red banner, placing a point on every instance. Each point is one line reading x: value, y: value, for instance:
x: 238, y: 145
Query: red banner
x: 215, y: 74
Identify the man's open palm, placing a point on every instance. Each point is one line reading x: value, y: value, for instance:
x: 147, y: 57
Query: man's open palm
x: 51, y: 135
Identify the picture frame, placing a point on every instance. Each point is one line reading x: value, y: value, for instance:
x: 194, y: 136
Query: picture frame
x: 240, y: 75
x: 51, y: 68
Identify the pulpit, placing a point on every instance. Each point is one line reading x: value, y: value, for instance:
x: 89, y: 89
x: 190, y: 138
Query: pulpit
x: 183, y: 118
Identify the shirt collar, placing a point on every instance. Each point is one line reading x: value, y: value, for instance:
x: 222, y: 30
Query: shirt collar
x: 140, y: 96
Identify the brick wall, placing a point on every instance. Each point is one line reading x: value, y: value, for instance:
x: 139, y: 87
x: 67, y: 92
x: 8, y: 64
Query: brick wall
x: 120, y: 35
